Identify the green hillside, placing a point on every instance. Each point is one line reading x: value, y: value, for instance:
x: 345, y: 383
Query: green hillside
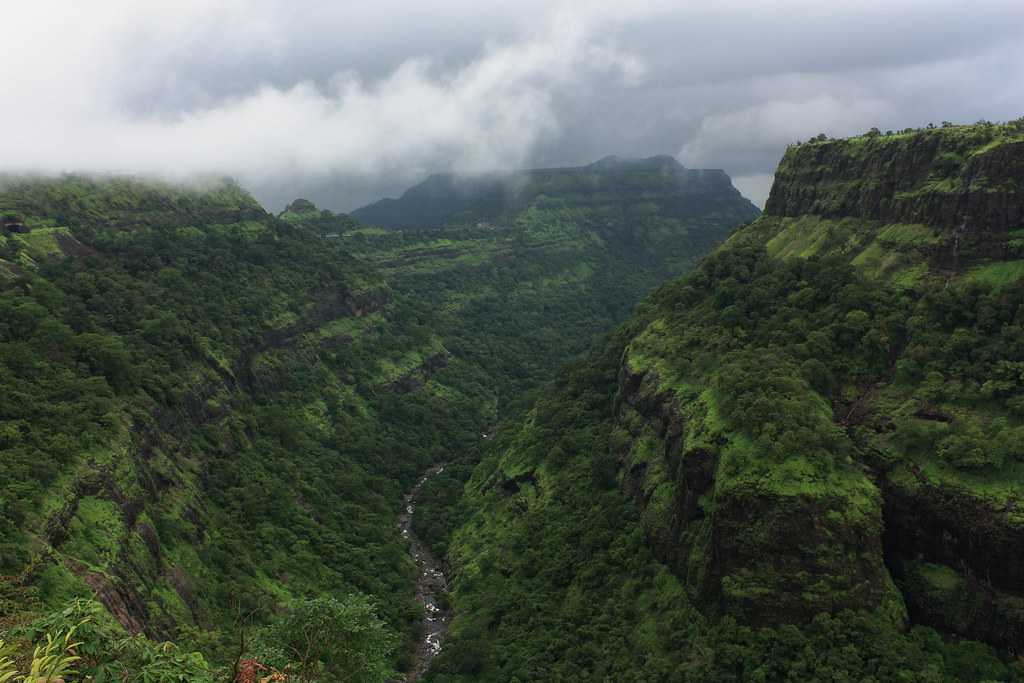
x: 655, y: 194
x: 210, y: 414
x: 801, y: 461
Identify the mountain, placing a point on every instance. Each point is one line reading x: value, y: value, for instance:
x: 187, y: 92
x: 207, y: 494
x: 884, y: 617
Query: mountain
x: 803, y: 458
x: 611, y: 189
x: 798, y: 458
x: 210, y: 414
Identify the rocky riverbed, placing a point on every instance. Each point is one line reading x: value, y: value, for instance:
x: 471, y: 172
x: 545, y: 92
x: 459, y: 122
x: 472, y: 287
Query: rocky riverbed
x: 431, y: 584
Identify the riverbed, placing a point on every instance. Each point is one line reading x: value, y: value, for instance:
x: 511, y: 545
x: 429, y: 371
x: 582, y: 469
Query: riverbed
x: 431, y: 584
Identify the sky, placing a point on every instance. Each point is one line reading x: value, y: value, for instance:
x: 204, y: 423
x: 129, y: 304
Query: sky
x: 346, y: 102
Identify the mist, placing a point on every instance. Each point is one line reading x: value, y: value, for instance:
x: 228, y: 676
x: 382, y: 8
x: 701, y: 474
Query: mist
x: 343, y: 103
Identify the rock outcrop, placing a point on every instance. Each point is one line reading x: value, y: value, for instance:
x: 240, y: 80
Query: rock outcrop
x: 753, y: 551
x: 965, y: 181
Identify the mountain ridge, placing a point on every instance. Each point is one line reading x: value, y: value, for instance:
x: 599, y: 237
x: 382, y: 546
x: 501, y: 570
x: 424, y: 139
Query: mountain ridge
x: 448, y: 198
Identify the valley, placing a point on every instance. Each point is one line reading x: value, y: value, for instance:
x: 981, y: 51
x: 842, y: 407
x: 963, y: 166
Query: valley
x: 822, y: 479
x: 611, y: 425
x: 217, y: 409
x: 489, y: 342
x: 431, y: 583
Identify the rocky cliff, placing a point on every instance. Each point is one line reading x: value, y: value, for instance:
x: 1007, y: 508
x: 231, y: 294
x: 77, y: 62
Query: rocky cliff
x: 965, y: 182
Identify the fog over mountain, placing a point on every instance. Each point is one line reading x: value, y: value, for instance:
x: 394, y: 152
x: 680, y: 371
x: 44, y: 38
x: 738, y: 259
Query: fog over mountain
x: 344, y: 103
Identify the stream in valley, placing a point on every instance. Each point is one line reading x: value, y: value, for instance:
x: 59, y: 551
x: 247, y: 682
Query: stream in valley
x: 431, y: 584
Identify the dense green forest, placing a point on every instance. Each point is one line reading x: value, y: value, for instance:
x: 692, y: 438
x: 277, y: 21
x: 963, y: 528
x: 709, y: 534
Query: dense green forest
x: 209, y: 414
x: 818, y: 434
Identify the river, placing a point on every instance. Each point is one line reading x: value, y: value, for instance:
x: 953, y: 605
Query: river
x: 431, y: 583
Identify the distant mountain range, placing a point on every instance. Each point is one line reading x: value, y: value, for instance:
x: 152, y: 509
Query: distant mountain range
x: 613, y: 183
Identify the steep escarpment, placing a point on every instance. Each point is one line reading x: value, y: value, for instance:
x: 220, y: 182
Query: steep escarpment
x: 962, y: 182
x: 947, y: 177
x: 819, y: 431
x: 869, y: 425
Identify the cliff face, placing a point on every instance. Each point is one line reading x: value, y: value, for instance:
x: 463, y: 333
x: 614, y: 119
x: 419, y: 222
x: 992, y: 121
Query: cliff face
x: 611, y: 189
x: 758, y: 551
x: 803, y: 438
x: 965, y: 181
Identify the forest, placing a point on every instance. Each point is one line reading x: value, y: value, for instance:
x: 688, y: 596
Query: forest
x: 792, y: 463
x: 210, y: 413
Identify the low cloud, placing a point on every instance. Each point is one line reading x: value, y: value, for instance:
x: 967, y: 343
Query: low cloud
x: 347, y: 101
x: 486, y: 114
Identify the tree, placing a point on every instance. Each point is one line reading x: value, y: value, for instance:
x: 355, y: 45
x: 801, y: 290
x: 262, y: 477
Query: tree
x: 330, y: 640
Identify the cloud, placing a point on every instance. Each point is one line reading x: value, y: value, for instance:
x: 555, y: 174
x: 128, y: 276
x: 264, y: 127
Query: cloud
x: 487, y: 113
x: 749, y: 138
x: 348, y: 100
x: 754, y: 187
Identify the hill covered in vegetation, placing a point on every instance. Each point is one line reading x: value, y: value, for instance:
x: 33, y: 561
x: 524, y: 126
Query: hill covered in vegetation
x: 210, y: 414
x: 801, y: 461
x: 652, y: 193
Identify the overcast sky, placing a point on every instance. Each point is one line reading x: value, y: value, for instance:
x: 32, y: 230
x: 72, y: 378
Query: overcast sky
x: 348, y: 101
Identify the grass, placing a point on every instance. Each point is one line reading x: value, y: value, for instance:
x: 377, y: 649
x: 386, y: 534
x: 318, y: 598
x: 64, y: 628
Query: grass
x: 802, y: 238
x: 997, y: 488
x: 1001, y: 274
x: 877, y: 262
x: 391, y: 369
x: 644, y: 353
x: 95, y: 532
x: 909, y: 277
x: 367, y: 232
x: 42, y: 242
x: 908, y: 234
x: 998, y: 142
x: 932, y: 186
x: 939, y: 576
x: 812, y: 235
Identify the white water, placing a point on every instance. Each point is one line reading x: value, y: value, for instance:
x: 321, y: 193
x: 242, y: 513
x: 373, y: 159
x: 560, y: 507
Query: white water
x: 431, y: 583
